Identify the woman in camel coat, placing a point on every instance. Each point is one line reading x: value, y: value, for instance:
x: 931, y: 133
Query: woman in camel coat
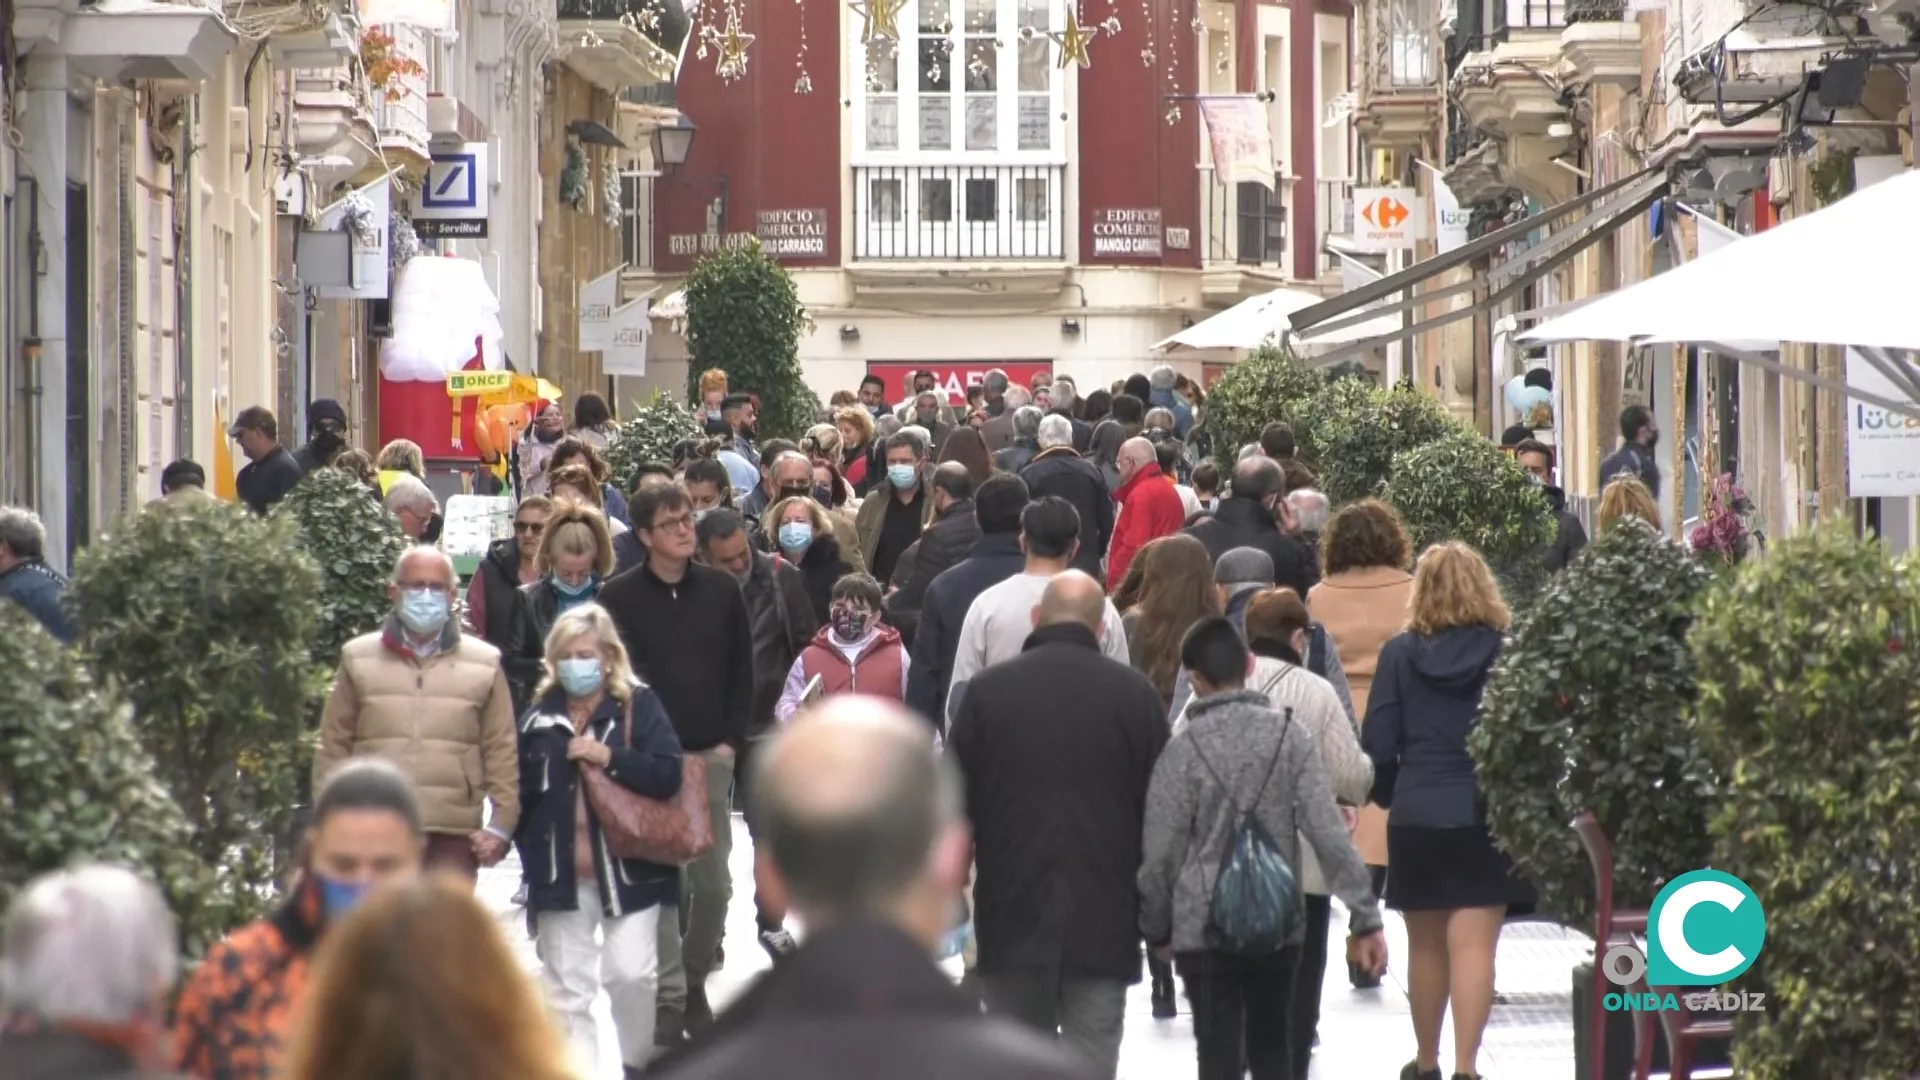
x: 1362, y: 601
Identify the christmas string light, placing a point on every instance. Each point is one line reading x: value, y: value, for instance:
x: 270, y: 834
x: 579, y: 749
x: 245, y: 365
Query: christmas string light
x: 802, y: 82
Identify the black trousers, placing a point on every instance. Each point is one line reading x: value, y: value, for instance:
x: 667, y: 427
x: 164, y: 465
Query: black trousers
x: 1241, y: 1007
x: 1308, y: 978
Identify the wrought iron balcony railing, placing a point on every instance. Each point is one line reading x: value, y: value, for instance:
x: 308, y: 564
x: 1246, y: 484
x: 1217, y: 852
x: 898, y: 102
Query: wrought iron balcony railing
x: 1245, y: 224
x: 1511, y: 15
x: 941, y: 212
x: 1596, y: 11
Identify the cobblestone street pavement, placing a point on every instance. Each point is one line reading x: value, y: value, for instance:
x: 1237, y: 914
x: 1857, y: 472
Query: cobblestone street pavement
x: 1364, y: 1035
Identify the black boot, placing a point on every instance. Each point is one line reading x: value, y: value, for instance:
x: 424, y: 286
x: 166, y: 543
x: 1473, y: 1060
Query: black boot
x: 1165, y: 1007
x: 699, y: 1013
x: 1413, y: 1072
x: 669, y: 1027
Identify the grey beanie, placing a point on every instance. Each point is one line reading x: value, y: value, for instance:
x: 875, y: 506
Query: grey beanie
x: 1244, y: 566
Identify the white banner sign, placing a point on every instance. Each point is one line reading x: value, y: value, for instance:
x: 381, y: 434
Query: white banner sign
x: 1388, y: 219
x: 597, y: 301
x: 1449, y: 217
x: 1242, y: 140
x: 369, y: 248
x: 626, y: 351
x: 423, y: 14
x: 1883, y: 447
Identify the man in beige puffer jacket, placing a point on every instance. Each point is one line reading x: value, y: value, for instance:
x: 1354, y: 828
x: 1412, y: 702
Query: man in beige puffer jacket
x: 435, y: 702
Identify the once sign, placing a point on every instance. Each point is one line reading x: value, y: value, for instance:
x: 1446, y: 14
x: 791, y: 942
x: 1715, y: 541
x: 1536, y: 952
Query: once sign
x: 800, y: 234
x: 1126, y: 234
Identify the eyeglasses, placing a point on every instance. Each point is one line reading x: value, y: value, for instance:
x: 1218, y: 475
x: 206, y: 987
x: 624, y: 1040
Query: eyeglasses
x: 674, y: 524
x: 528, y: 526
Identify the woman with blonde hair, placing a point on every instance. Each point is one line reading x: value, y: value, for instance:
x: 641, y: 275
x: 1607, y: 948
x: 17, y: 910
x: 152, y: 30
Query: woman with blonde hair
x: 856, y: 429
x: 574, y: 558
x: 419, y: 982
x: 1626, y: 497
x: 576, y: 483
x: 1448, y: 878
x: 401, y: 456
x: 802, y: 534
x: 595, y: 918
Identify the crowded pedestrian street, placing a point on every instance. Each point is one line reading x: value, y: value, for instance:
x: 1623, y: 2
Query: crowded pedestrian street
x: 1530, y: 1035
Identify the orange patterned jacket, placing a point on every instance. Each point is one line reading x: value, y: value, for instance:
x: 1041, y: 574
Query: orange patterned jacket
x: 237, y: 1009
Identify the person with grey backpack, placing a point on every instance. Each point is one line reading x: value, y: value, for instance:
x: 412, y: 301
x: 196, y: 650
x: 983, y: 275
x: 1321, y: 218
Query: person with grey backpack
x: 1231, y: 795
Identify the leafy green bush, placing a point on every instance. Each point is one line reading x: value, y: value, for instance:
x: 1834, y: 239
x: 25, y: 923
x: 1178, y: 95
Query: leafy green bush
x: 649, y: 434
x: 1271, y: 384
x: 744, y: 317
x: 356, y: 543
x: 76, y: 785
x: 1590, y: 709
x: 1352, y: 432
x: 1807, y: 663
x: 1461, y: 487
x: 206, y: 623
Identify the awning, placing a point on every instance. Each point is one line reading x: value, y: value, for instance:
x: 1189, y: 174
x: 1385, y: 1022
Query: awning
x: 1611, y: 207
x: 1251, y: 322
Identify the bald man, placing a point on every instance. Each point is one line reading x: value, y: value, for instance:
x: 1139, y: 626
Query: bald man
x: 1150, y: 506
x: 1057, y: 746
x: 861, y: 831
x: 1255, y: 514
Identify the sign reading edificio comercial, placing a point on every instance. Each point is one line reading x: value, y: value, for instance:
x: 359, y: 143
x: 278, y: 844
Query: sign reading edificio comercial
x: 795, y: 234
x: 1126, y: 234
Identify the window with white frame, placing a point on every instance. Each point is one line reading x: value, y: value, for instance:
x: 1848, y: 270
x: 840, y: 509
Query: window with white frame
x: 970, y: 80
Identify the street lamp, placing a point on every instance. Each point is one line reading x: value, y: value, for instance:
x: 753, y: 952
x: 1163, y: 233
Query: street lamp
x: 672, y: 142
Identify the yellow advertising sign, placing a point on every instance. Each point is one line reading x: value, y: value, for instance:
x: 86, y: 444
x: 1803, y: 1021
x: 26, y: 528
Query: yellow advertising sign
x: 479, y: 383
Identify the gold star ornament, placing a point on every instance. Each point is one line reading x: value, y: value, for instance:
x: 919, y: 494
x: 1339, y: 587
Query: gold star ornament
x: 1073, y: 41
x: 733, y: 48
x: 878, y: 19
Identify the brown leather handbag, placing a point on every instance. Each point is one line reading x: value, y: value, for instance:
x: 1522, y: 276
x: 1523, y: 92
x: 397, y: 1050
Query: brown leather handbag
x: 671, y: 832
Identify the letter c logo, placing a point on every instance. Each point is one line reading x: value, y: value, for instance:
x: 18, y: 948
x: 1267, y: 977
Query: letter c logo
x: 1727, y: 930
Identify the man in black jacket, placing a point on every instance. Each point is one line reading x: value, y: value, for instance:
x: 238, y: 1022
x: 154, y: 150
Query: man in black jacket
x: 862, y: 822
x: 1251, y: 516
x: 948, y: 540
x: 783, y: 622
x: 1058, y: 746
x: 995, y: 558
x: 1059, y: 470
x: 1536, y: 458
x: 687, y: 629
x: 272, y: 471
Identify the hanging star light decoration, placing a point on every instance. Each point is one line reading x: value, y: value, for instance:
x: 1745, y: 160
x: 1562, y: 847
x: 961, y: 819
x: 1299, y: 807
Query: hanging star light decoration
x: 1073, y: 41
x: 878, y: 19
x: 733, y: 49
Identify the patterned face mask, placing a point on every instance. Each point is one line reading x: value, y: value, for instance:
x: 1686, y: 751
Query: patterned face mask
x: 850, y: 621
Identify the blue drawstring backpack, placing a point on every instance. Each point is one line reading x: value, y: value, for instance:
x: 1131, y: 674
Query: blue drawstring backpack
x: 1255, y: 909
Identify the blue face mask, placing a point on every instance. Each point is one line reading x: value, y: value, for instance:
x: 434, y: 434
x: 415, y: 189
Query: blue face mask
x: 902, y: 476
x: 575, y: 591
x: 795, y: 536
x: 339, y: 898
x: 423, y: 611
x: 581, y: 675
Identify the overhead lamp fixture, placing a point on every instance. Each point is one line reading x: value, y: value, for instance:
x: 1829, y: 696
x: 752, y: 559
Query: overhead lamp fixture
x: 595, y: 133
x: 673, y: 142
x: 1070, y: 327
x: 849, y: 332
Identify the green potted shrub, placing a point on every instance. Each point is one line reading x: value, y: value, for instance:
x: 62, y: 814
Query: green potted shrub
x: 355, y: 543
x: 206, y: 623
x: 744, y: 317
x: 649, y: 433
x: 1590, y: 708
x: 1461, y: 487
x: 1270, y: 384
x: 1351, y: 431
x: 76, y: 785
x: 1807, y: 664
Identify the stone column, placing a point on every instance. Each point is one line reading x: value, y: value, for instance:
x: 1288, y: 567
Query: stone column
x: 43, y: 122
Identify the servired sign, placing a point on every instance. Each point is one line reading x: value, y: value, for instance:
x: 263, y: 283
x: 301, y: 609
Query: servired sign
x: 1388, y: 219
x: 954, y: 375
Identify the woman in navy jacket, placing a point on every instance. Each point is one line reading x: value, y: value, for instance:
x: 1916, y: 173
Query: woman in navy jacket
x: 595, y: 919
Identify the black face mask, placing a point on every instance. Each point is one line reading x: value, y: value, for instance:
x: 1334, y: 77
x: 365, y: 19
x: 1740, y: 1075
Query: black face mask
x: 326, y: 440
x: 547, y: 436
x: 797, y: 491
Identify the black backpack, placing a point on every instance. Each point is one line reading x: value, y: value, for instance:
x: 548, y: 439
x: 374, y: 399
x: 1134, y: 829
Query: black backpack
x: 1255, y: 908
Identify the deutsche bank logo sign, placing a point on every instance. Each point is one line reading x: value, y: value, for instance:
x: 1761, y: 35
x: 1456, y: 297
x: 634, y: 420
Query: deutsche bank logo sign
x: 452, y: 183
x: 1704, y: 928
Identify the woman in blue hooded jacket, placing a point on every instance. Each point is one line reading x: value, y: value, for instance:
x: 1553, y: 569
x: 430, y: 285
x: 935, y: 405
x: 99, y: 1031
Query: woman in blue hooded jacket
x: 1448, y: 878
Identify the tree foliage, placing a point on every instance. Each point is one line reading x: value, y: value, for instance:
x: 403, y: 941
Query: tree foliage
x: 1353, y: 431
x: 1271, y: 384
x: 355, y: 542
x: 1807, y: 665
x: 649, y: 433
x: 744, y: 317
x: 1461, y: 487
x: 1590, y: 708
x: 206, y: 622
x: 77, y: 786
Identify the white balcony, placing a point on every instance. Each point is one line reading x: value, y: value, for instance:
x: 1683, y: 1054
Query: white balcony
x: 959, y: 212
x: 400, y: 104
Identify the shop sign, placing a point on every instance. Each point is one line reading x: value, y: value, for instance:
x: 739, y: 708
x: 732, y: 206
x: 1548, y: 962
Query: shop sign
x: 1883, y: 446
x: 954, y: 376
x: 705, y: 243
x: 452, y: 203
x: 792, y: 234
x: 1126, y: 234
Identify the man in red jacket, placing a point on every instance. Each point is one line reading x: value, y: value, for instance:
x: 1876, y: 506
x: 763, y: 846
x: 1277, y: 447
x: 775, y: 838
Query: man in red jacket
x: 1150, y: 508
